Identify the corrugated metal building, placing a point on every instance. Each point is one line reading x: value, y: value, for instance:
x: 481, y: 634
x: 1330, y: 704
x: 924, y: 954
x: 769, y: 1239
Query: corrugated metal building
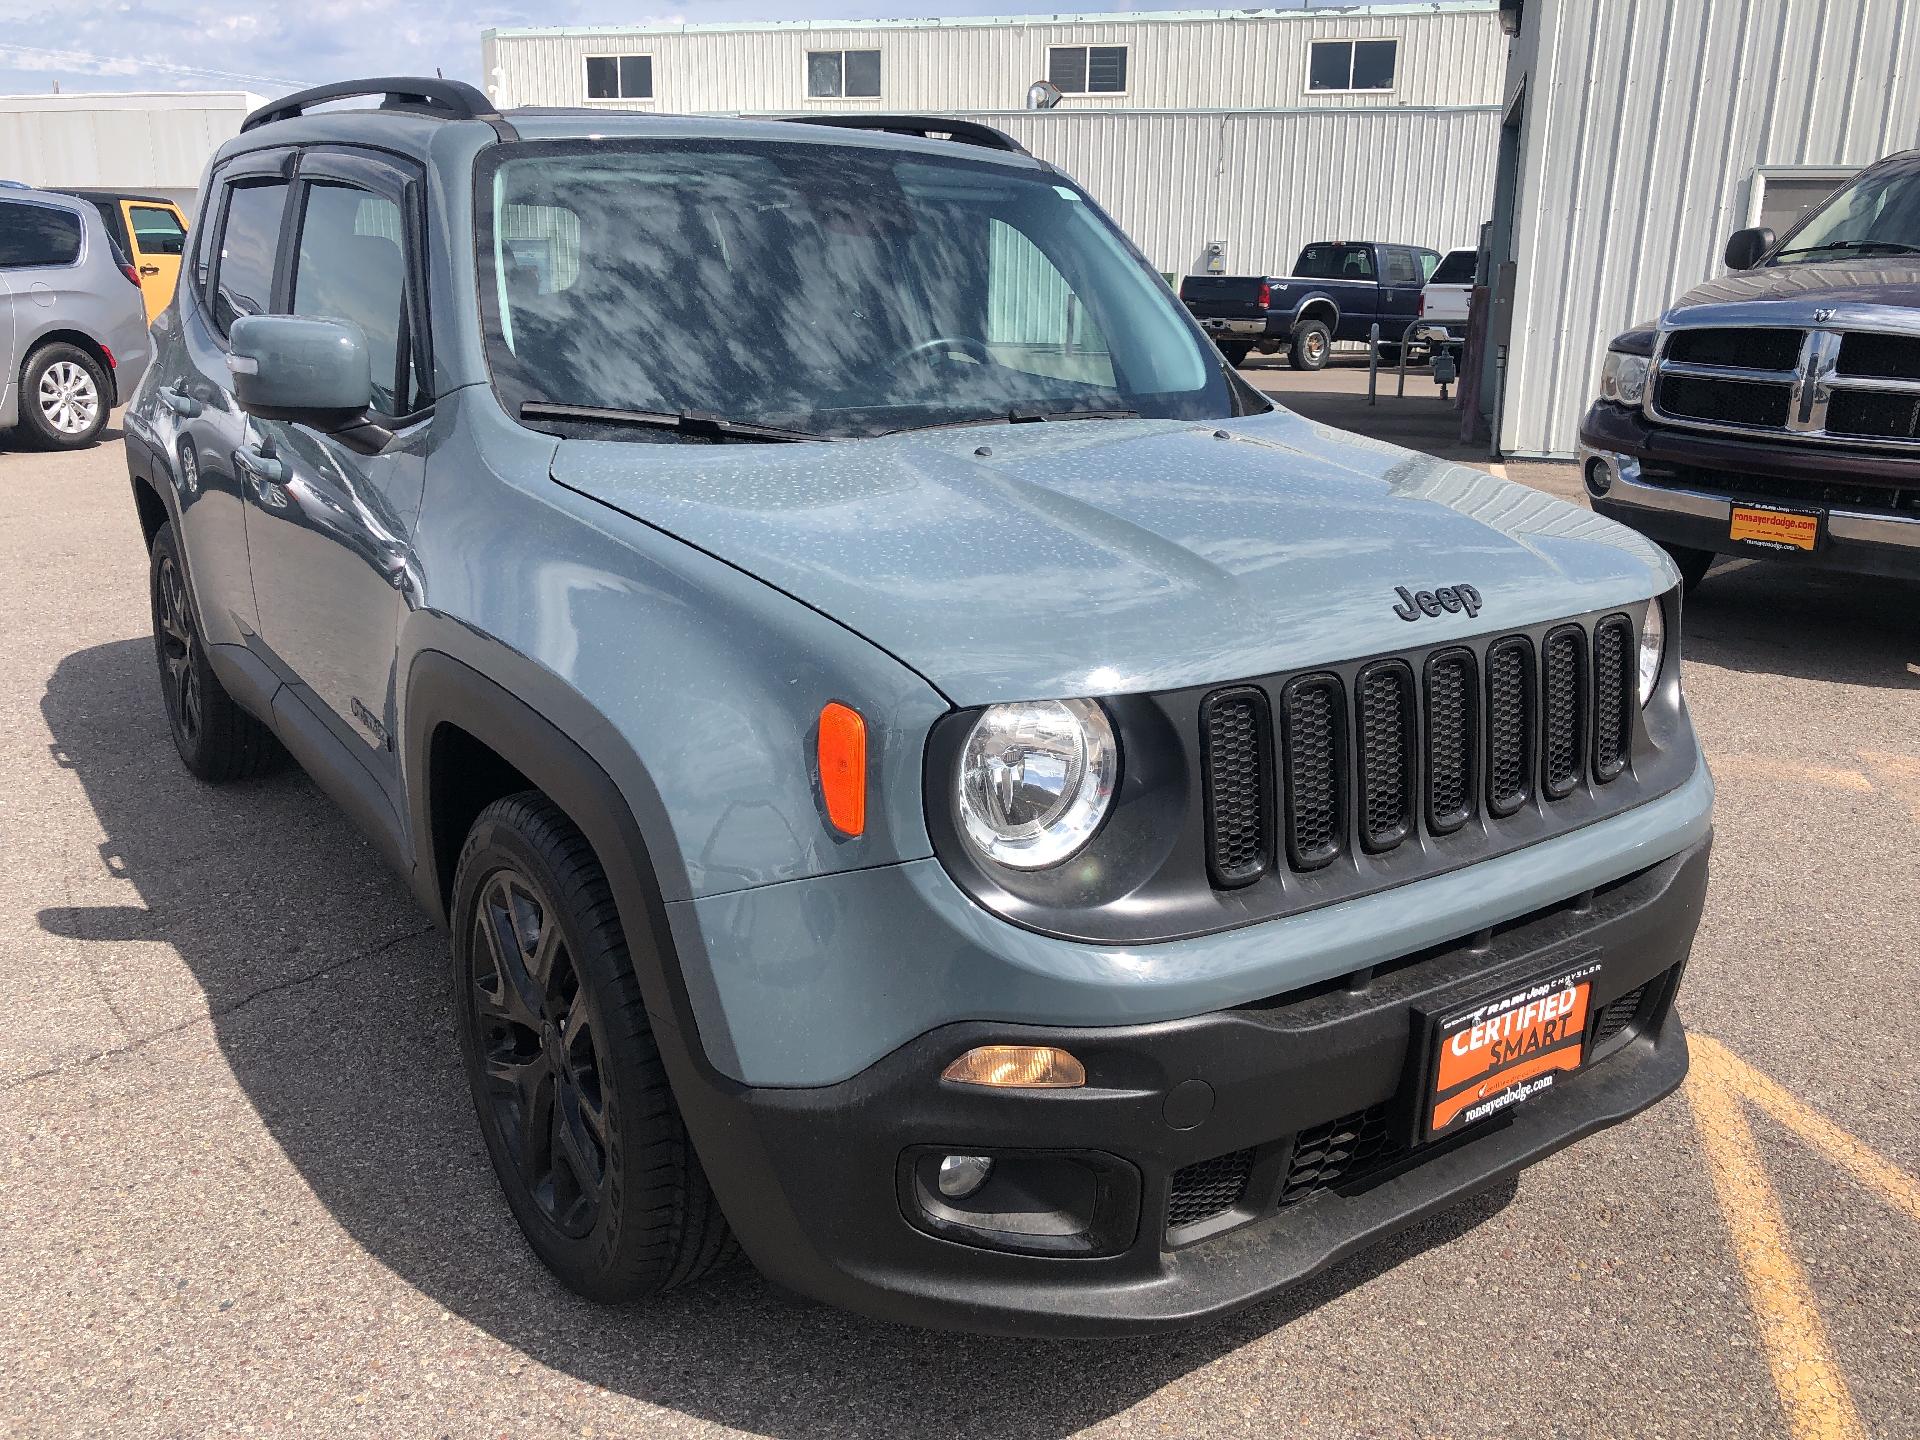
x: 1639, y: 135
x: 154, y: 142
x: 1254, y: 130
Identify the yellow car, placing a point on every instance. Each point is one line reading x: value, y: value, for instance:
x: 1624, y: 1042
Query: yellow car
x: 151, y: 231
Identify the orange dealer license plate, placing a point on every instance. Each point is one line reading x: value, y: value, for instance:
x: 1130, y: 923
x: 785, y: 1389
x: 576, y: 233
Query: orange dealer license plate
x: 1773, y: 528
x: 1497, y: 1052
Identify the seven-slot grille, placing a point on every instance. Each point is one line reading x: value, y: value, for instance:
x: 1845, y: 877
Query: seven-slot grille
x: 1860, y: 387
x: 1472, y: 732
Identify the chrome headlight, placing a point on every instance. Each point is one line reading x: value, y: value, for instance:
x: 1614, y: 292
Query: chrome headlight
x: 1036, y: 779
x: 1623, y: 378
x: 1653, y: 647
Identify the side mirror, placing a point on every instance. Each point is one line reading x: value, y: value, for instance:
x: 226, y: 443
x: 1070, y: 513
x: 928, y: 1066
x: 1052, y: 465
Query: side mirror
x: 314, y: 372
x: 1745, y: 247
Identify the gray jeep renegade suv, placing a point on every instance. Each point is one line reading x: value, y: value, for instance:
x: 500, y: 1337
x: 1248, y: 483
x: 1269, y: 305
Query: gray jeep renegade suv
x: 926, y: 774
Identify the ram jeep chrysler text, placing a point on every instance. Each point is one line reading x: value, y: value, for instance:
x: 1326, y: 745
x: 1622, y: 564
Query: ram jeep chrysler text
x: 1775, y: 412
x: 941, y: 793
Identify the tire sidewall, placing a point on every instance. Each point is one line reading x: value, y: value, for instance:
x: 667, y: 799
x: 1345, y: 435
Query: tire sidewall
x: 166, y: 548
x: 35, y: 422
x: 1301, y: 353
x: 584, y: 1261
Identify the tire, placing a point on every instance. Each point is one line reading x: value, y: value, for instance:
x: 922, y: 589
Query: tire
x: 217, y: 740
x: 1693, y: 564
x: 64, y: 397
x: 1311, y: 345
x: 604, y: 1182
x: 1389, y: 355
x: 1236, y: 352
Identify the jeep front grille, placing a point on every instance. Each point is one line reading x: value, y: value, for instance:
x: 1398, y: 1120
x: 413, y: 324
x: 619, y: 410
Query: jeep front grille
x: 1401, y: 758
x: 1848, y: 386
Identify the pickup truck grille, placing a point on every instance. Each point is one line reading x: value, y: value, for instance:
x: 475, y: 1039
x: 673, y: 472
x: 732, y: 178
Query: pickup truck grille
x: 1847, y: 386
x: 1487, y: 736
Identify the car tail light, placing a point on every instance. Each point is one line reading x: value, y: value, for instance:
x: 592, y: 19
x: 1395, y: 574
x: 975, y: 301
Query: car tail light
x: 1423, y: 304
x: 133, y: 275
x: 1266, y: 295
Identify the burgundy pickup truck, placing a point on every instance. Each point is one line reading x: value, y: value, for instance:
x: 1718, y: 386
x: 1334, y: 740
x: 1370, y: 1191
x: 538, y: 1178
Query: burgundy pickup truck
x: 1775, y: 412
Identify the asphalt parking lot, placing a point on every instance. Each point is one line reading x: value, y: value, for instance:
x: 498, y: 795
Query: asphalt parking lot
x: 242, y: 1191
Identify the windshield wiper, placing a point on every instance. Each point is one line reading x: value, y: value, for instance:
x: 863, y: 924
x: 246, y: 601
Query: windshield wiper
x: 1018, y: 417
x: 686, y: 422
x: 1897, y: 247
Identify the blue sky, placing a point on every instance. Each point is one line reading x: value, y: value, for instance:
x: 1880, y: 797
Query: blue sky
x: 272, y: 46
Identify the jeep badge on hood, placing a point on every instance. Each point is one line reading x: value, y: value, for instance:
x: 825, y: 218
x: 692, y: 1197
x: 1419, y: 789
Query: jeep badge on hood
x: 1451, y: 598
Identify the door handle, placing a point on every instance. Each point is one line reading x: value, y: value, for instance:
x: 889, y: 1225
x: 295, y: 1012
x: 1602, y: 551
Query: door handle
x: 176, y: 401
x: 149, y: 269
x: 265, y: 469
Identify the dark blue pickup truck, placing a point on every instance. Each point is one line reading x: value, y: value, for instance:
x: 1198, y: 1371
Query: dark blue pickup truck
x: 1338, y: 290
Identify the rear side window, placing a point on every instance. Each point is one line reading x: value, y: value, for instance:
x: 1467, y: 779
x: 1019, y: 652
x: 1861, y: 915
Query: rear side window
x: 1335, y: 262
x: 352, y: 266
x: 1401, y: 267
x: 157, y: 231
x: 249, y: 240
x: 1456, y: 269
x: 37, y: 235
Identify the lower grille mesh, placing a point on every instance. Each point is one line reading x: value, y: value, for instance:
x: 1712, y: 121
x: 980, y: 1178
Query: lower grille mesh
x: 1209, y: 1188
x: 1616, y: 1015
x: 1343, y: 1149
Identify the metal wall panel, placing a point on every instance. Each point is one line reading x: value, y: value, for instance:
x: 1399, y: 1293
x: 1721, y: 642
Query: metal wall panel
x: 1643, y: 124
x: 153, y: 142
x: 1264, y: 183
x: 1451, y: 53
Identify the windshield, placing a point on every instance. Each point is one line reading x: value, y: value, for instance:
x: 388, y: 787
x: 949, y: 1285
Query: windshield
x: 828, y: 289
x: 1879, y: 214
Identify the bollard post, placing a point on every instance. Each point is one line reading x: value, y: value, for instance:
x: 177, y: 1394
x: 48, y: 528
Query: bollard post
x: 1373, y: 358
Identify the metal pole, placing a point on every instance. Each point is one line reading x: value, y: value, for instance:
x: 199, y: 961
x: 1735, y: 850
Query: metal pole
x: 1373, y: 358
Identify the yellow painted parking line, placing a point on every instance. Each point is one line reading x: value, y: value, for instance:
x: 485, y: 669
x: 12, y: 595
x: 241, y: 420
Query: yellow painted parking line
x: 1812, y: 1390
x: 1867, y: 1165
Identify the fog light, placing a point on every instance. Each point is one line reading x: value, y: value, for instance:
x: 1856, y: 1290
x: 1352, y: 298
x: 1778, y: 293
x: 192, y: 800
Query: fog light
x: 1599, y: 476
x: 1020, y: 1067
x: 961, y: 1175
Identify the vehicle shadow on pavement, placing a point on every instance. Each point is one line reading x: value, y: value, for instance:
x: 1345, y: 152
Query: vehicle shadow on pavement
x: 1766, y: 618
x: 327, y: 996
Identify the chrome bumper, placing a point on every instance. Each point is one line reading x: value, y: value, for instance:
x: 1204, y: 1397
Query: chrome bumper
x: 1218, y: 325
x: 1622, y: 485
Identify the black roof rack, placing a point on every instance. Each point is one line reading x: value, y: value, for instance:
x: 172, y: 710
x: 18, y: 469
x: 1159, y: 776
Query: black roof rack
x: 926, y: 127
x: 441, y: 99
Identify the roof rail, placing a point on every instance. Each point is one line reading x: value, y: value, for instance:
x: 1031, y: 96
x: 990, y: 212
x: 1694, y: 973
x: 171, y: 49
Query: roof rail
x: 441, y: 99
x: 927, y: 127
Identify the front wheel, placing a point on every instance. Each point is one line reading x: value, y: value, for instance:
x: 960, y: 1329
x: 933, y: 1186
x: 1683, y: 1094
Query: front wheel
x: 1312, y: 343
x: 572, y: 1097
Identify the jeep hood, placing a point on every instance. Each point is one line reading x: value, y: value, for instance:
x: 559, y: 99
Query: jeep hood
x: 1791, y: 293
x: 1102, y: 557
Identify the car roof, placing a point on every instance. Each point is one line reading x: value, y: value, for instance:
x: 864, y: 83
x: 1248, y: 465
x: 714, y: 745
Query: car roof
x: 54, y: 198
x: 89, y: 192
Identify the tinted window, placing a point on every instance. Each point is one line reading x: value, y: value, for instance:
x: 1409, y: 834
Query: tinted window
x: 1335, y: 262
x: 889, y: 290
x: 157, y: 231
x: 619, y: 77
x: 1330, y: 66
x: 351, y: 266
x: 249, y: 239
x: 1456, y: 269
x: 1373, y: 64
x: 1088, y: 69
x: 1401, y: 269
x: 863, y: 72
x: 34, y: 235
x: 1352, y: 64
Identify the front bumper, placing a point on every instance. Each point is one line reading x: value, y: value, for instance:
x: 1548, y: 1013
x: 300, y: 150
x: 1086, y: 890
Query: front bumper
x: 1696, y: 513
x: 1309, y: 1097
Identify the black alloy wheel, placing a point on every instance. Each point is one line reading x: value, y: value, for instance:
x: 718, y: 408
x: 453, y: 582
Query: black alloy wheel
x: 547, y: 1086
x: 178, y: 646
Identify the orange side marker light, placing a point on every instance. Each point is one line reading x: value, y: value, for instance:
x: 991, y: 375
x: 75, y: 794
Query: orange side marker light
x: 843, y: 767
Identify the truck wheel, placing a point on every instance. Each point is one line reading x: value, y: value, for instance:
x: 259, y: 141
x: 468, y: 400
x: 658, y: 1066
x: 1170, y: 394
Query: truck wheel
x: 63, y: 397
x: 1311, y: 346
x: 1693, y: 564
x: 1236, y: 352
x: 572, y: 1097
x: 1389, y: 355
x: 216, y: 739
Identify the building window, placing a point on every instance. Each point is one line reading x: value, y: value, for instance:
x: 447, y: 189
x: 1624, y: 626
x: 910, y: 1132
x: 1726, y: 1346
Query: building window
x: 1088, y: 69
x: 619, y: 77
x: 1352, y: 64
x: 843, y: 74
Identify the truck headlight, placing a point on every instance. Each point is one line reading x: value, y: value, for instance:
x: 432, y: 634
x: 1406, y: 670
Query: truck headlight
x: 1653, y: 648
x: 1623, y: 378
x: 1036, y: 779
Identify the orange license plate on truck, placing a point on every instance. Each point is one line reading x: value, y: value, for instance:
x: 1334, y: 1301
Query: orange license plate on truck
x: 1775, y: 529
x: 1496, y: 1053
